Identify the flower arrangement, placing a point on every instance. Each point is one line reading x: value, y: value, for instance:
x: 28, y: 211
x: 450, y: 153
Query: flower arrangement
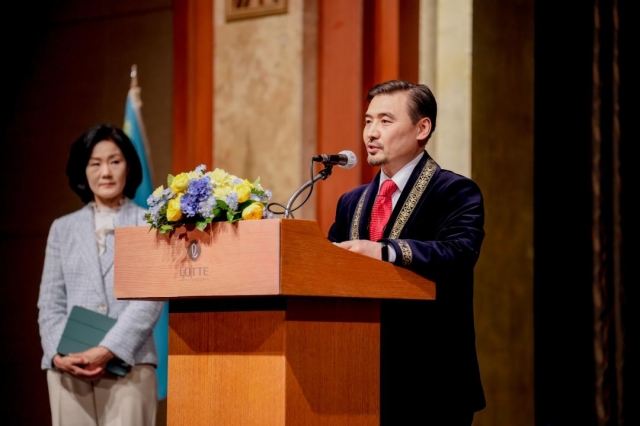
x: 201, y: 198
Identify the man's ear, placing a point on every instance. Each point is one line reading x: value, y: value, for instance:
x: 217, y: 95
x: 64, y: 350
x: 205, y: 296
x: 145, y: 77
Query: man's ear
x: 423, y: 129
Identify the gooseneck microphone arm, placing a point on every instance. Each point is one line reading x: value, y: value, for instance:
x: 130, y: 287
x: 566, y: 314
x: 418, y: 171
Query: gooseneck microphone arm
x: 322, y: 174
x: 344, y: 159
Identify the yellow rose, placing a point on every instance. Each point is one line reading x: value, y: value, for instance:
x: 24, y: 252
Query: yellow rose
x: 219, y: 176
x: 180, y: 183
x: 244, y: 190
x: 221, y: 191
x: 173, y: 210
x: 252, y: 212
x: 158, y: 192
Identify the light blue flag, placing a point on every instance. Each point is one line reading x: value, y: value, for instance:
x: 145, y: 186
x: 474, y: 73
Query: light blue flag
x: 134, y: 128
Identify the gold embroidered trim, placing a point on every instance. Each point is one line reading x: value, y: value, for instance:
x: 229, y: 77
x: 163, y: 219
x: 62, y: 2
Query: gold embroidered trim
x: 355, y: 235
x: 407, y: 256
x: 412, y: 200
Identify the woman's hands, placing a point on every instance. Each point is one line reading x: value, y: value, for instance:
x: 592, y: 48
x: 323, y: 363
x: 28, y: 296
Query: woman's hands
x: 89, y: 364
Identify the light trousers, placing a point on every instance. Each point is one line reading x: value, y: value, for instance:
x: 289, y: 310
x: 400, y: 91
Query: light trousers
x: 109, y: 401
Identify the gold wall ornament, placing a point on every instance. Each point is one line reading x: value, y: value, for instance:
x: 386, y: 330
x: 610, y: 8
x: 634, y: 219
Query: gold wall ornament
x: 244, y: 9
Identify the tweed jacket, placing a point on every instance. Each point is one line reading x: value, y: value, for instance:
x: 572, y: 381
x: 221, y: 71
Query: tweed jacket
x: 436, y: 230
x: 75, y: 274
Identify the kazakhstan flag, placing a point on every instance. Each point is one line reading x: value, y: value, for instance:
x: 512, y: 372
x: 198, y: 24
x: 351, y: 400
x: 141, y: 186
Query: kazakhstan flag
x: 134, y: 128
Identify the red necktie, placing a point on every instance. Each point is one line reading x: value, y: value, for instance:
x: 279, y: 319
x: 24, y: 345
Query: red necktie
x: 381, y: 210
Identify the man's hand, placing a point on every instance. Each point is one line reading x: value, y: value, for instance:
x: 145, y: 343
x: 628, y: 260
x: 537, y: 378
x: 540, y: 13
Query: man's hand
x: 366, y: 247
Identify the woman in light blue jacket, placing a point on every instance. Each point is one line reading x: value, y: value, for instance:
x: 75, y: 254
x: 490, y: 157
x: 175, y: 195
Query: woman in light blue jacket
x: 104, y: 170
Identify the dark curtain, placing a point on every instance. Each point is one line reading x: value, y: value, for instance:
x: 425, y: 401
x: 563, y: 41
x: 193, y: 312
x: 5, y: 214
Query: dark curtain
x: 586, y: 279
x: 608, y: 303
x: 612, y: 189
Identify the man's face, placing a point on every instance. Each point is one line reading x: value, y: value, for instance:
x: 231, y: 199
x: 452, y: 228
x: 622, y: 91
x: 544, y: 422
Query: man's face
x: 391, y: 139
x: 107, y: 173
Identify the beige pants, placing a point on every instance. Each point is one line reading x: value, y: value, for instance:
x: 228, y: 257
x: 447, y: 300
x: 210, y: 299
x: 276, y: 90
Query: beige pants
x: 110, y: 401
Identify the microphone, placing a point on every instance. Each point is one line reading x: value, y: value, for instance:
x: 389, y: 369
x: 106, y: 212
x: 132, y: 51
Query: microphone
x: 345, y: 159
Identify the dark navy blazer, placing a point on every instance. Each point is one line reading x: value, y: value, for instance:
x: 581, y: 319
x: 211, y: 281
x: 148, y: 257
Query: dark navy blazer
x: 429, y: 360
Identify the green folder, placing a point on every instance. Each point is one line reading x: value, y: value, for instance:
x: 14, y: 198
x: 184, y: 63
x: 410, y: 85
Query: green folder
x: 85, y: 329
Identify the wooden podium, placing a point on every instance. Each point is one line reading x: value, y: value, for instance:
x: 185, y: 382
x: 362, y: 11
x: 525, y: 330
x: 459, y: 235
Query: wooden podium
x: 269, y: 323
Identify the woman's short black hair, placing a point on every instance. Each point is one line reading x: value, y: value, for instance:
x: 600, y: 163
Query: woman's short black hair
x: 81, y: 152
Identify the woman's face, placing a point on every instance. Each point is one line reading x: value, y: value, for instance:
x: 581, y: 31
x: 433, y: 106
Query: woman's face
x: 107, y: 173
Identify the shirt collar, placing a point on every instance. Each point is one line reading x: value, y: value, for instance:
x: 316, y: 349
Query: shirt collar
x: 402, y: 176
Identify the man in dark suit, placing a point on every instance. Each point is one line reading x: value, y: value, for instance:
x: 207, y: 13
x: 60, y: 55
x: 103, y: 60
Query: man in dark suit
x: 429, y: 366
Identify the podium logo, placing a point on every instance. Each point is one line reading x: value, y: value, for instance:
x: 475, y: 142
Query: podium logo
x: 193, y: 250
x: 198, y: 272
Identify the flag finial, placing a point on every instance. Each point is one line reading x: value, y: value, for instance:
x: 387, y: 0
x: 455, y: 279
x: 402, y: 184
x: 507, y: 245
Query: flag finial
x: 134, y: 75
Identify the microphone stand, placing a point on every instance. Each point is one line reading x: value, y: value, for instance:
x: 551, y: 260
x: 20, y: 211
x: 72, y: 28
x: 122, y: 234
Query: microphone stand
x: 322, y: 174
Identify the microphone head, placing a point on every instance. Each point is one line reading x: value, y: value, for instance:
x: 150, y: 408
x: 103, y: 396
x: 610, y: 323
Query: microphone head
x: 352, y: 160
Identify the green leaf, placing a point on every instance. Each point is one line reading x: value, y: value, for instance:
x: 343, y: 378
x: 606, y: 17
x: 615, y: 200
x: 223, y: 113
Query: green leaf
x: 222, y: 204
x: 169, y: 179
x: 165, y: 228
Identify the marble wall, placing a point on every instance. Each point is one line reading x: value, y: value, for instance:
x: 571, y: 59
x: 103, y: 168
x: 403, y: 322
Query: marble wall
x: 262, y: 98
x: 445, y: 66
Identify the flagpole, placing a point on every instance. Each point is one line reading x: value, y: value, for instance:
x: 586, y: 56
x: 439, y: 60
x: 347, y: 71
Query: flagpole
x: 134, y: 89
x: 134, y: 76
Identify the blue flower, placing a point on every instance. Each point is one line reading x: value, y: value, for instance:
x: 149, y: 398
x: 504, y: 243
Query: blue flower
x: 200, y: 169
x: 198, y: 192
x: 232, y: 201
